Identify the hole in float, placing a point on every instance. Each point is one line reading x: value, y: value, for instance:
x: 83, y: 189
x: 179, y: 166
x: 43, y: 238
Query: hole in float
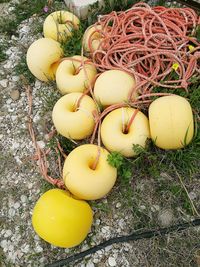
x: 54, y: 66
x: 92, y: 165
x: 125, y: 131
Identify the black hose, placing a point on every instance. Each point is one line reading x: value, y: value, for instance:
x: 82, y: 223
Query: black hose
x: 121, y: 239
x: 191, y: 4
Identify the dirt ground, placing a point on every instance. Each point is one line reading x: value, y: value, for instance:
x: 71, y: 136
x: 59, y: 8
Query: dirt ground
x: 150, y: 205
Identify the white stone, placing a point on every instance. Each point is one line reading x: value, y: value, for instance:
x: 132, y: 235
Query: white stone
x: 192, y: 195
x: 155, y: 208
x: 38, y: 249
x: 4, y: 243
x: 97, y: 222
x: 90, y: 264
x: 80, y: 8
x: 165, y: 217
x: 9, y: 101
x: 16, y: 205
x: 4, y: 83
x: 15, y: 146
x: 112, y: 261
x: 23, y: 198
x: 11, y: 212
x: 118, y: 205
x: 41, y: 144
x: 25, y: 249
x: 108, y: 248
x: 8, y: 233
x: 15, y: 78
x: 105, y: 229
x: 142, y: 207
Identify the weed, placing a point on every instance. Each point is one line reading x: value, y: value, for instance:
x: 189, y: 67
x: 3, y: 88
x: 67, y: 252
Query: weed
x: 103, y: 206
x: 3, y: 55
x: 22, y: 69
x: 123, y: 166
x: 45, y: 186
x: 49, y: 98
x: 73, y: 45
x: 23, y: 10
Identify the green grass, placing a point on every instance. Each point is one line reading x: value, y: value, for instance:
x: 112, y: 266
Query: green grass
x: 22, y: 69
x: 23, y: 10
x: 3, y: 55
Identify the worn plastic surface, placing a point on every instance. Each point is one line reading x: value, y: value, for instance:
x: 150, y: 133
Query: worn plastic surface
x: 42, y: 58
x: 83, y: 181
x: 71, y: 78
x: 60, y: 219
x: 113, y: 137
x: 71, y: 122
x: 171, y: 122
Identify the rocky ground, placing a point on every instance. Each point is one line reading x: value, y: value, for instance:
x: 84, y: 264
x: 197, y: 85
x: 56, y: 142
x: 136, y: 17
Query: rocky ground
x: 118, y: 214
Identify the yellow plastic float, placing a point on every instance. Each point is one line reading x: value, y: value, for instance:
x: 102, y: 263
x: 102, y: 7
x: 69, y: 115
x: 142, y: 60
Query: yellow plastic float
x: 114, y: 135
x: 80, y: 176
x: 60, y: 219
x: 59, y: 25
x: 71, y: 121
x: 43, y: 58
x: 112, y: 87
x: 171, y: 122
x: 71, y: 77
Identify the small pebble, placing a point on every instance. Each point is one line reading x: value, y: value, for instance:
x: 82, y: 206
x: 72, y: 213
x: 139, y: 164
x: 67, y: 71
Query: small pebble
x: 8, y: 233
x: 112, y: 261
x: 15, y: 94
x: 118, y: 205
x: 90, y: 264
x: 4, y: 83
x: 165, y: 217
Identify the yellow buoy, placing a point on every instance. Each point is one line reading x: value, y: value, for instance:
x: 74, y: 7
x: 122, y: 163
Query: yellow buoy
x: 171, y: 122
x: 60, y: 219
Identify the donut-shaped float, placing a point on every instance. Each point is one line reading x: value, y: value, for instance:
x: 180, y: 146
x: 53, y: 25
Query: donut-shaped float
x: 60, y: 219
x: 71, y: 121
x: 43, y: 58
x: 112, y: 87
x: 59, y: 25
x: 171, y: 122
x: 71, y: 76
x: 92, y: 38
x: 114, y: 135
x: 81, y: 179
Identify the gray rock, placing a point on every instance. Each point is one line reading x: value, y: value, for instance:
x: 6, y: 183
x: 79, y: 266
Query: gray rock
x: 112, y: 261
x: 165, y: 217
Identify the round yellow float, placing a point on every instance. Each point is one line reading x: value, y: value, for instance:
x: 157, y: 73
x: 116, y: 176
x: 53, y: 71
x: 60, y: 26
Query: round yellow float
x: 86, y: 179
x: 43, y: 58
x: 71, y: 121
x: 60, y: 219
x: 59, y: 25
x: 91, y: 34
x: 171, y: 122
x: 112, y: 87
x: 71, y: 77
x: 114, y: 135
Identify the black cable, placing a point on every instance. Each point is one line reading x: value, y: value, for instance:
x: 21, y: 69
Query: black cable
x: 191, y: 4
x: 121, y: 239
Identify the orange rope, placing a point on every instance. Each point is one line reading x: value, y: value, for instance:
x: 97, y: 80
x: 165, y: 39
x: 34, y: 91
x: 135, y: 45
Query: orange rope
x: 41, y: 155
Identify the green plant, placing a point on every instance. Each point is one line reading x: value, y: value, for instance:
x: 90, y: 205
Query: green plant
x: 3, y: 55
x: 123, y: 165
x: 22, y: 69
x: 73, y: 45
